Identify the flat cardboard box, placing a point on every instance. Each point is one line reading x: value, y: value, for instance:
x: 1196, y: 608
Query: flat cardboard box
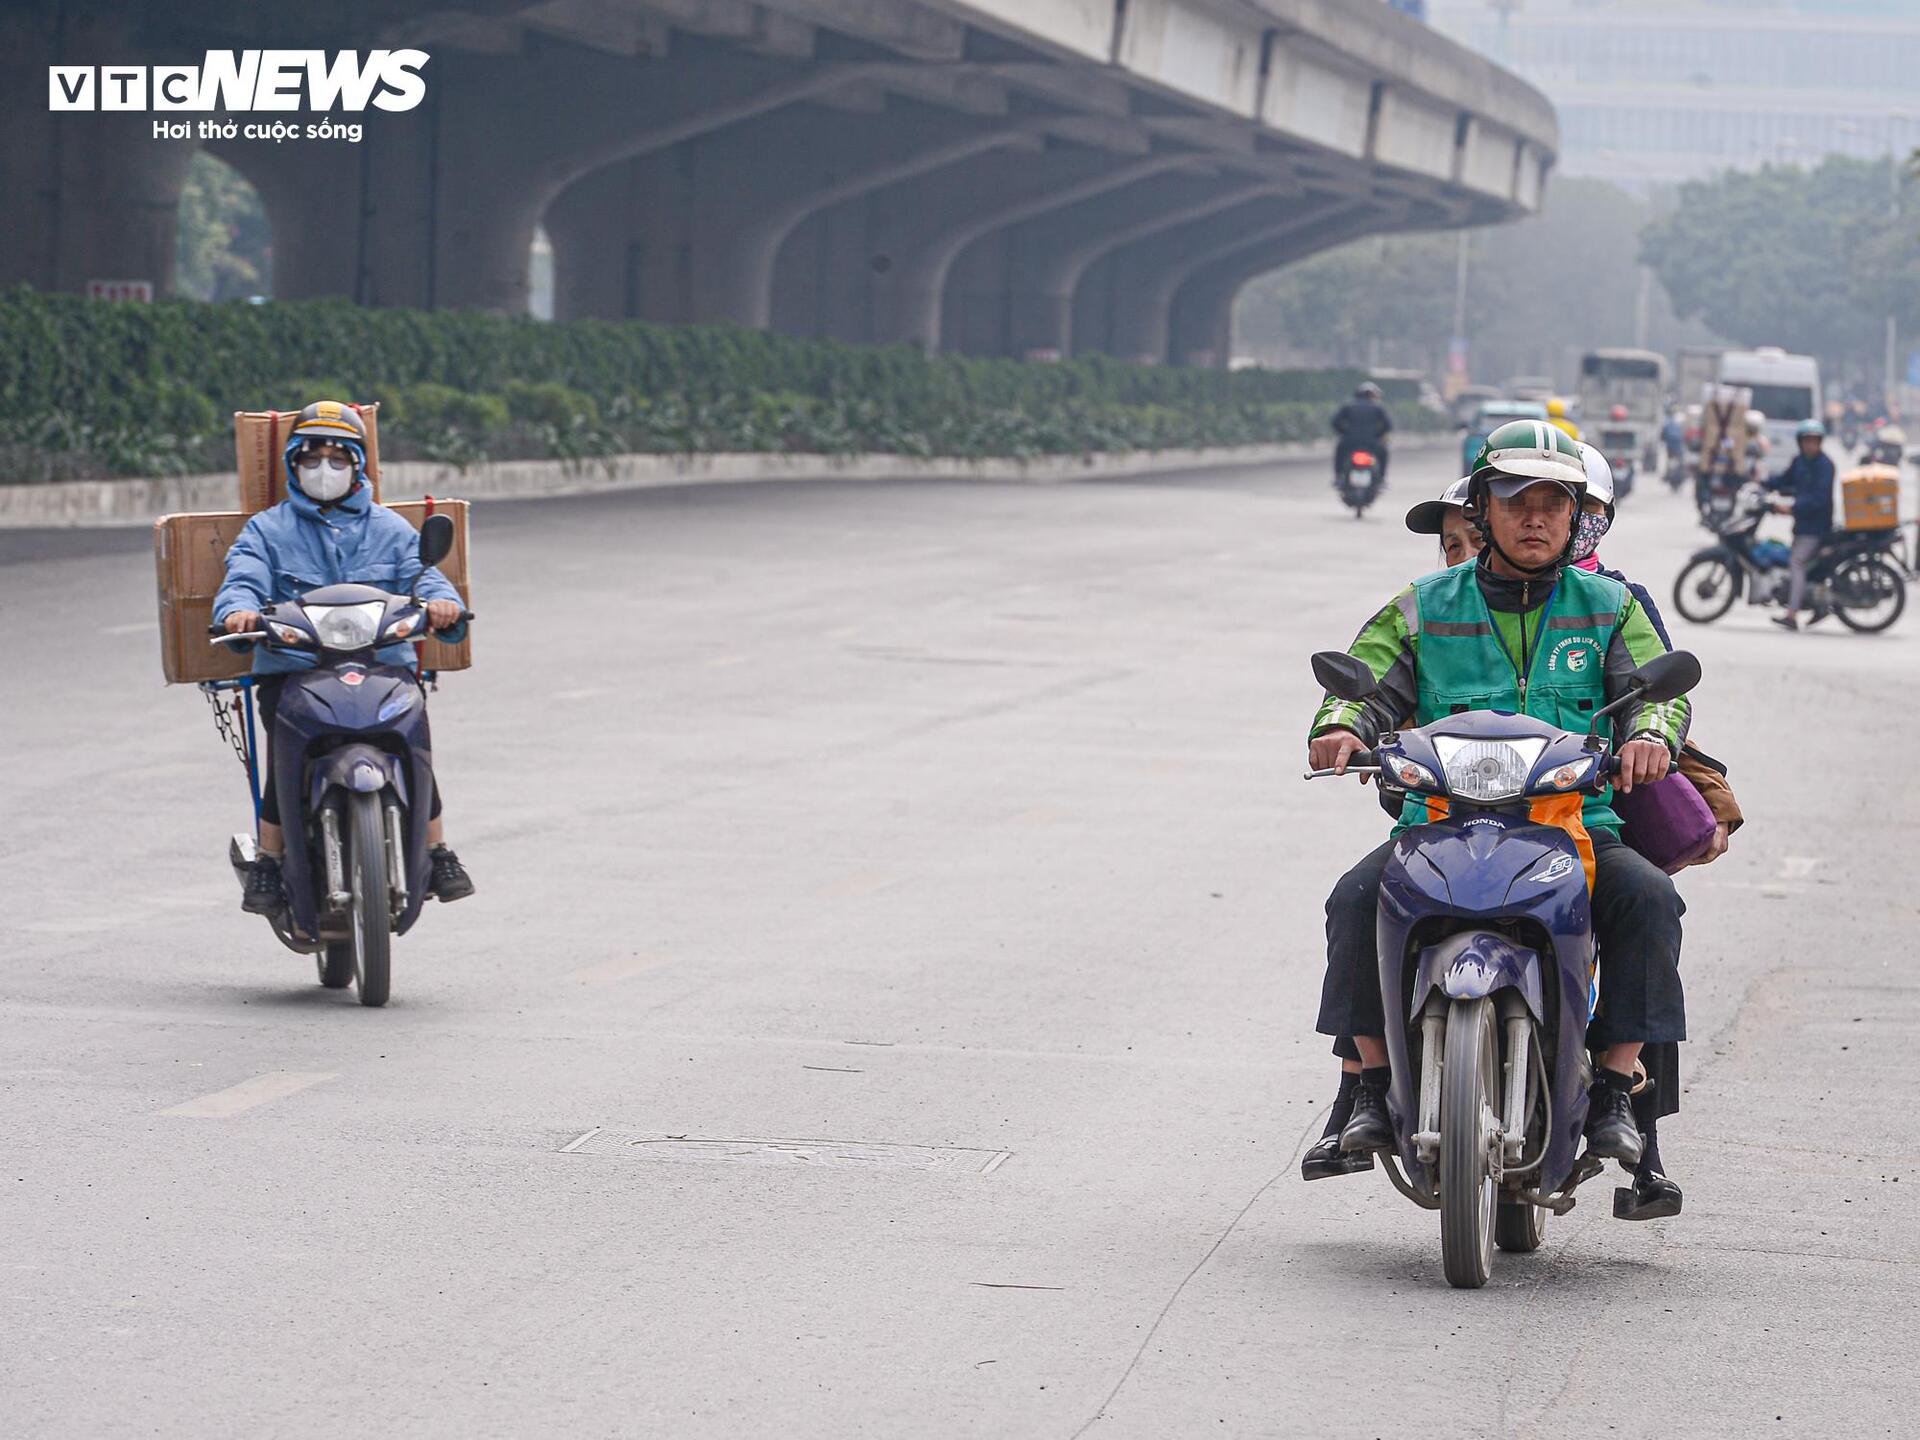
x: 190, y: 564
x: 259, y: 445
x: 1723, y: 419
x: 1870, y: 498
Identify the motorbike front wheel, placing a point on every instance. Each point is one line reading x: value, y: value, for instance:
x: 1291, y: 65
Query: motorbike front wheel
x: 1868, y: 594
x: 1469, y: 1079
x: 372, y: 938
x: 1706, y: 589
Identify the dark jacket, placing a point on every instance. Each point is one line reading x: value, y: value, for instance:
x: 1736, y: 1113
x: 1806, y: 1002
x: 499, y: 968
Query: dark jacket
x: 1362, y: 422
x: 1810, y: 482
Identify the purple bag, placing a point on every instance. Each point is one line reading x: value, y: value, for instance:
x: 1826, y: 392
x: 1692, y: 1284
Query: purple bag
x: 1668, y: 822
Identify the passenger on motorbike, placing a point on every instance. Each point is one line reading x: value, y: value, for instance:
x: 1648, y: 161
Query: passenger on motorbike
x: 1362, y: 424
x: 327, y: 531
x: 1497, y: 618
x: 1809, y: 482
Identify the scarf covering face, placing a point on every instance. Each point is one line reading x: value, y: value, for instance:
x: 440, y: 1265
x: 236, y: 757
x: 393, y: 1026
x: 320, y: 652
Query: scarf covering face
x: 1588, y: 531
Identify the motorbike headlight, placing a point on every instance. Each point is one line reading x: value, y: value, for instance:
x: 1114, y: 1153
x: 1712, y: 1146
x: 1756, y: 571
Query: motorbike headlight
x: 1487, y: 769
x: 1406, y: 773
x: 346, y: 627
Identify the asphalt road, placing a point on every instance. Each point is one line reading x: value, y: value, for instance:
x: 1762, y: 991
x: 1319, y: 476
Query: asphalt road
x: 958, y: 826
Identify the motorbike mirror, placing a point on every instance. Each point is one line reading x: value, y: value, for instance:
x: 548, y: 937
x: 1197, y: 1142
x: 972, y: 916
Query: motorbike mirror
x: 1342, y: 675
x: 436, y: 539
x: 1666, y: 677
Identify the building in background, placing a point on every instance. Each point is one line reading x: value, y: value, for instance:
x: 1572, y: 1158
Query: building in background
x: 1654, y: 92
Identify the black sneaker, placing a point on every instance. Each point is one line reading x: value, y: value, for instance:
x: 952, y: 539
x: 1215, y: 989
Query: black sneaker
x: 263, y: 894
x: 1786, y: 622
x: 1370, y: 1128
x: 1325, y: 1160
x: 449, y: 881
x: 1611, y: 1131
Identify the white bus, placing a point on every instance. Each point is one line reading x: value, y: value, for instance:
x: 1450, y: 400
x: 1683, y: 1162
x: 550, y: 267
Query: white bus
x: 1786, y: 389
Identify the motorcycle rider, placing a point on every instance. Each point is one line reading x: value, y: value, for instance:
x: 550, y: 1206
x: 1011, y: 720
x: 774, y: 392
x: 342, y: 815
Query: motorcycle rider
x: 327, y: 531
x: 1809, y: 480
x: 1887, y: 447
x: 1362, y: 424
x: 1655, y: 1194
x: 1557, y: 414
x: 1497, y: 616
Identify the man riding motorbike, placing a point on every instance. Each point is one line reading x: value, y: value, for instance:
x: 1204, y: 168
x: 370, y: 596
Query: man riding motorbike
x: 1654, y: 1193
x: 1809, y: 481
x: 1362, y: 424
x: 1557, y: 414
x: 327, y: 531
x: 1474, y: 637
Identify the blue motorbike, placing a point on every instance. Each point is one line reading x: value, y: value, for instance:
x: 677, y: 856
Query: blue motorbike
x: 353, y: 772
x: 1487, y: 956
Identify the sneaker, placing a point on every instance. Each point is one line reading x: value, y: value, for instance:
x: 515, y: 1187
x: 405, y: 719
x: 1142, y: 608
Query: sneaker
x: 1611, y: 1131
x: 1325, y: 1160
x: 1370, y: 1128
x: 449, y: 880
x: 1786, y: 622
x: 263, y: 894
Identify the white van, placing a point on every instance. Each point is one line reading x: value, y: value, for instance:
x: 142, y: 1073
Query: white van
x: 1786, y: 389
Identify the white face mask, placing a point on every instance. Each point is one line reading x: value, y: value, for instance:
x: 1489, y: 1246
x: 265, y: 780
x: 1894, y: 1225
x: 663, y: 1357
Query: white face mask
x: 325, y: 480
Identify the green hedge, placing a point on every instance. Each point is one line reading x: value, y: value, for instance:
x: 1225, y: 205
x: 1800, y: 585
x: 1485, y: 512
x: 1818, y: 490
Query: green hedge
x: 148, y: 387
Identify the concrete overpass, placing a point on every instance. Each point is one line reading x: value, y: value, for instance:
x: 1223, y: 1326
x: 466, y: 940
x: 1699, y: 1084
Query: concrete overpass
x: 993, y: 176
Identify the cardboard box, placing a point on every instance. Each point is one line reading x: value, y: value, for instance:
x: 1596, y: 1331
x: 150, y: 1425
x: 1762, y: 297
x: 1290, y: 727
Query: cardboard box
x: 259, y: 446
x: 1870, y: 498
x: 190, y: 565
x: 1723, y: 421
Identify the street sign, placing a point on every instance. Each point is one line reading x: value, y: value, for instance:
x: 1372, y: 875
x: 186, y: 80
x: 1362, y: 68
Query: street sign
x: 119, y: 289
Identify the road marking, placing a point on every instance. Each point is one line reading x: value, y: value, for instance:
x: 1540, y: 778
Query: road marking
x: 724, y: 662
x: 612, y: 972
x: 1798, y: 867
x: 139, y: 627
x: 1043, y: 815
x: 573, y: 1145
x: 274, y: 1085
x: 589, y: 693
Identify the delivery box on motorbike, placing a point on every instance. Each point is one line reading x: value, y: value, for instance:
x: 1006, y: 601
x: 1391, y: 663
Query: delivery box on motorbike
x: 190, y: 565
x: 1870, y: 498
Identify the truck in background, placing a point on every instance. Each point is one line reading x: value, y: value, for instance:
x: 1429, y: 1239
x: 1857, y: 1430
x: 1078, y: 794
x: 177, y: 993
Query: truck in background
x: 1622, y: 402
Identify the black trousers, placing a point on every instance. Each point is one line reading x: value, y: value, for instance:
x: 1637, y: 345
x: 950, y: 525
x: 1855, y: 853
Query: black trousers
x: 1636, y: 918
x: 266, y: 699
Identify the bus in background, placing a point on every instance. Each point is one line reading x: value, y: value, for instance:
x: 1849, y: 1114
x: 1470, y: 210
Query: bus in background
x: 1786, y: 389
x: 1622, y: 394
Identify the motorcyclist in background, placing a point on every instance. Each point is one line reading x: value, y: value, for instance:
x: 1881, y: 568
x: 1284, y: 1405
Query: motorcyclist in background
x: 1557, y: 414
x: 1362, y: 424
x: 1809, y: 483
x: 327, y: 531
x: 1888, y: 446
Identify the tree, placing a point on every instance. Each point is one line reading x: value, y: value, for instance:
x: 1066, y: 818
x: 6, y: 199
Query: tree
x: 1810, y: 260
x: 225, y: 246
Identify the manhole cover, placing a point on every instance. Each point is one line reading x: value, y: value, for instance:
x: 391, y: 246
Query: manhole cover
x: 832, y: 1154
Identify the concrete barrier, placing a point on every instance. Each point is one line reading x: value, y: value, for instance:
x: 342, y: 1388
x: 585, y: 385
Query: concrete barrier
x: 141, y: 501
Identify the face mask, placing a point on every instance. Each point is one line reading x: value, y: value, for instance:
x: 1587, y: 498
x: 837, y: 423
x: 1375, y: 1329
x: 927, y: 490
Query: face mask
x: 1587, y: 531
x: 325, y: 480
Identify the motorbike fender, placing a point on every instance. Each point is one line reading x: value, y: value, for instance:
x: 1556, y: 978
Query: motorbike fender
x: 360, y: 769
x: 1476, y: 963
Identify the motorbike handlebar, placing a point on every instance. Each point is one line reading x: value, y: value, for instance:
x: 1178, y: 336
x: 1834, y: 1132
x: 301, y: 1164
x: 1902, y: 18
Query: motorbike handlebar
x: 1360, y: 762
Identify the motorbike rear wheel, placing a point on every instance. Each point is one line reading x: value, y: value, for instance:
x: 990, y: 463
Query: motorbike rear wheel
x: 1469, y: 1082
x: 1868, y: 594
x: 371, y: 919
x: 1520, y: 1227
x: 334, y: 964
x: 1706, y: 589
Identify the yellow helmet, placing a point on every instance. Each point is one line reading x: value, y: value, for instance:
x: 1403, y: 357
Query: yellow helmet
x: 1556, y: 408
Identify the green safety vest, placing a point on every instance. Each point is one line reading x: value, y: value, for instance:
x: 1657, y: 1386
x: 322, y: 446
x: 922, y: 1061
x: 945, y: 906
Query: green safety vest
x: 1463, y: 664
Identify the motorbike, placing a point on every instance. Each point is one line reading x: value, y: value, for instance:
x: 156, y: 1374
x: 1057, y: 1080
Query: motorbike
x: 1360, y: 480
x: 353, y: 773
x: 1856, y: 576
x: 1487, y: 958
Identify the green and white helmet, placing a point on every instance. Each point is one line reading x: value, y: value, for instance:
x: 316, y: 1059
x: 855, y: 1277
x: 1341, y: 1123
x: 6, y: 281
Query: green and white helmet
x: 1521, y: 453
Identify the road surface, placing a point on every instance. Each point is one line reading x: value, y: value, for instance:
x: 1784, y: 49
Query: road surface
x: 887, y: 1011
